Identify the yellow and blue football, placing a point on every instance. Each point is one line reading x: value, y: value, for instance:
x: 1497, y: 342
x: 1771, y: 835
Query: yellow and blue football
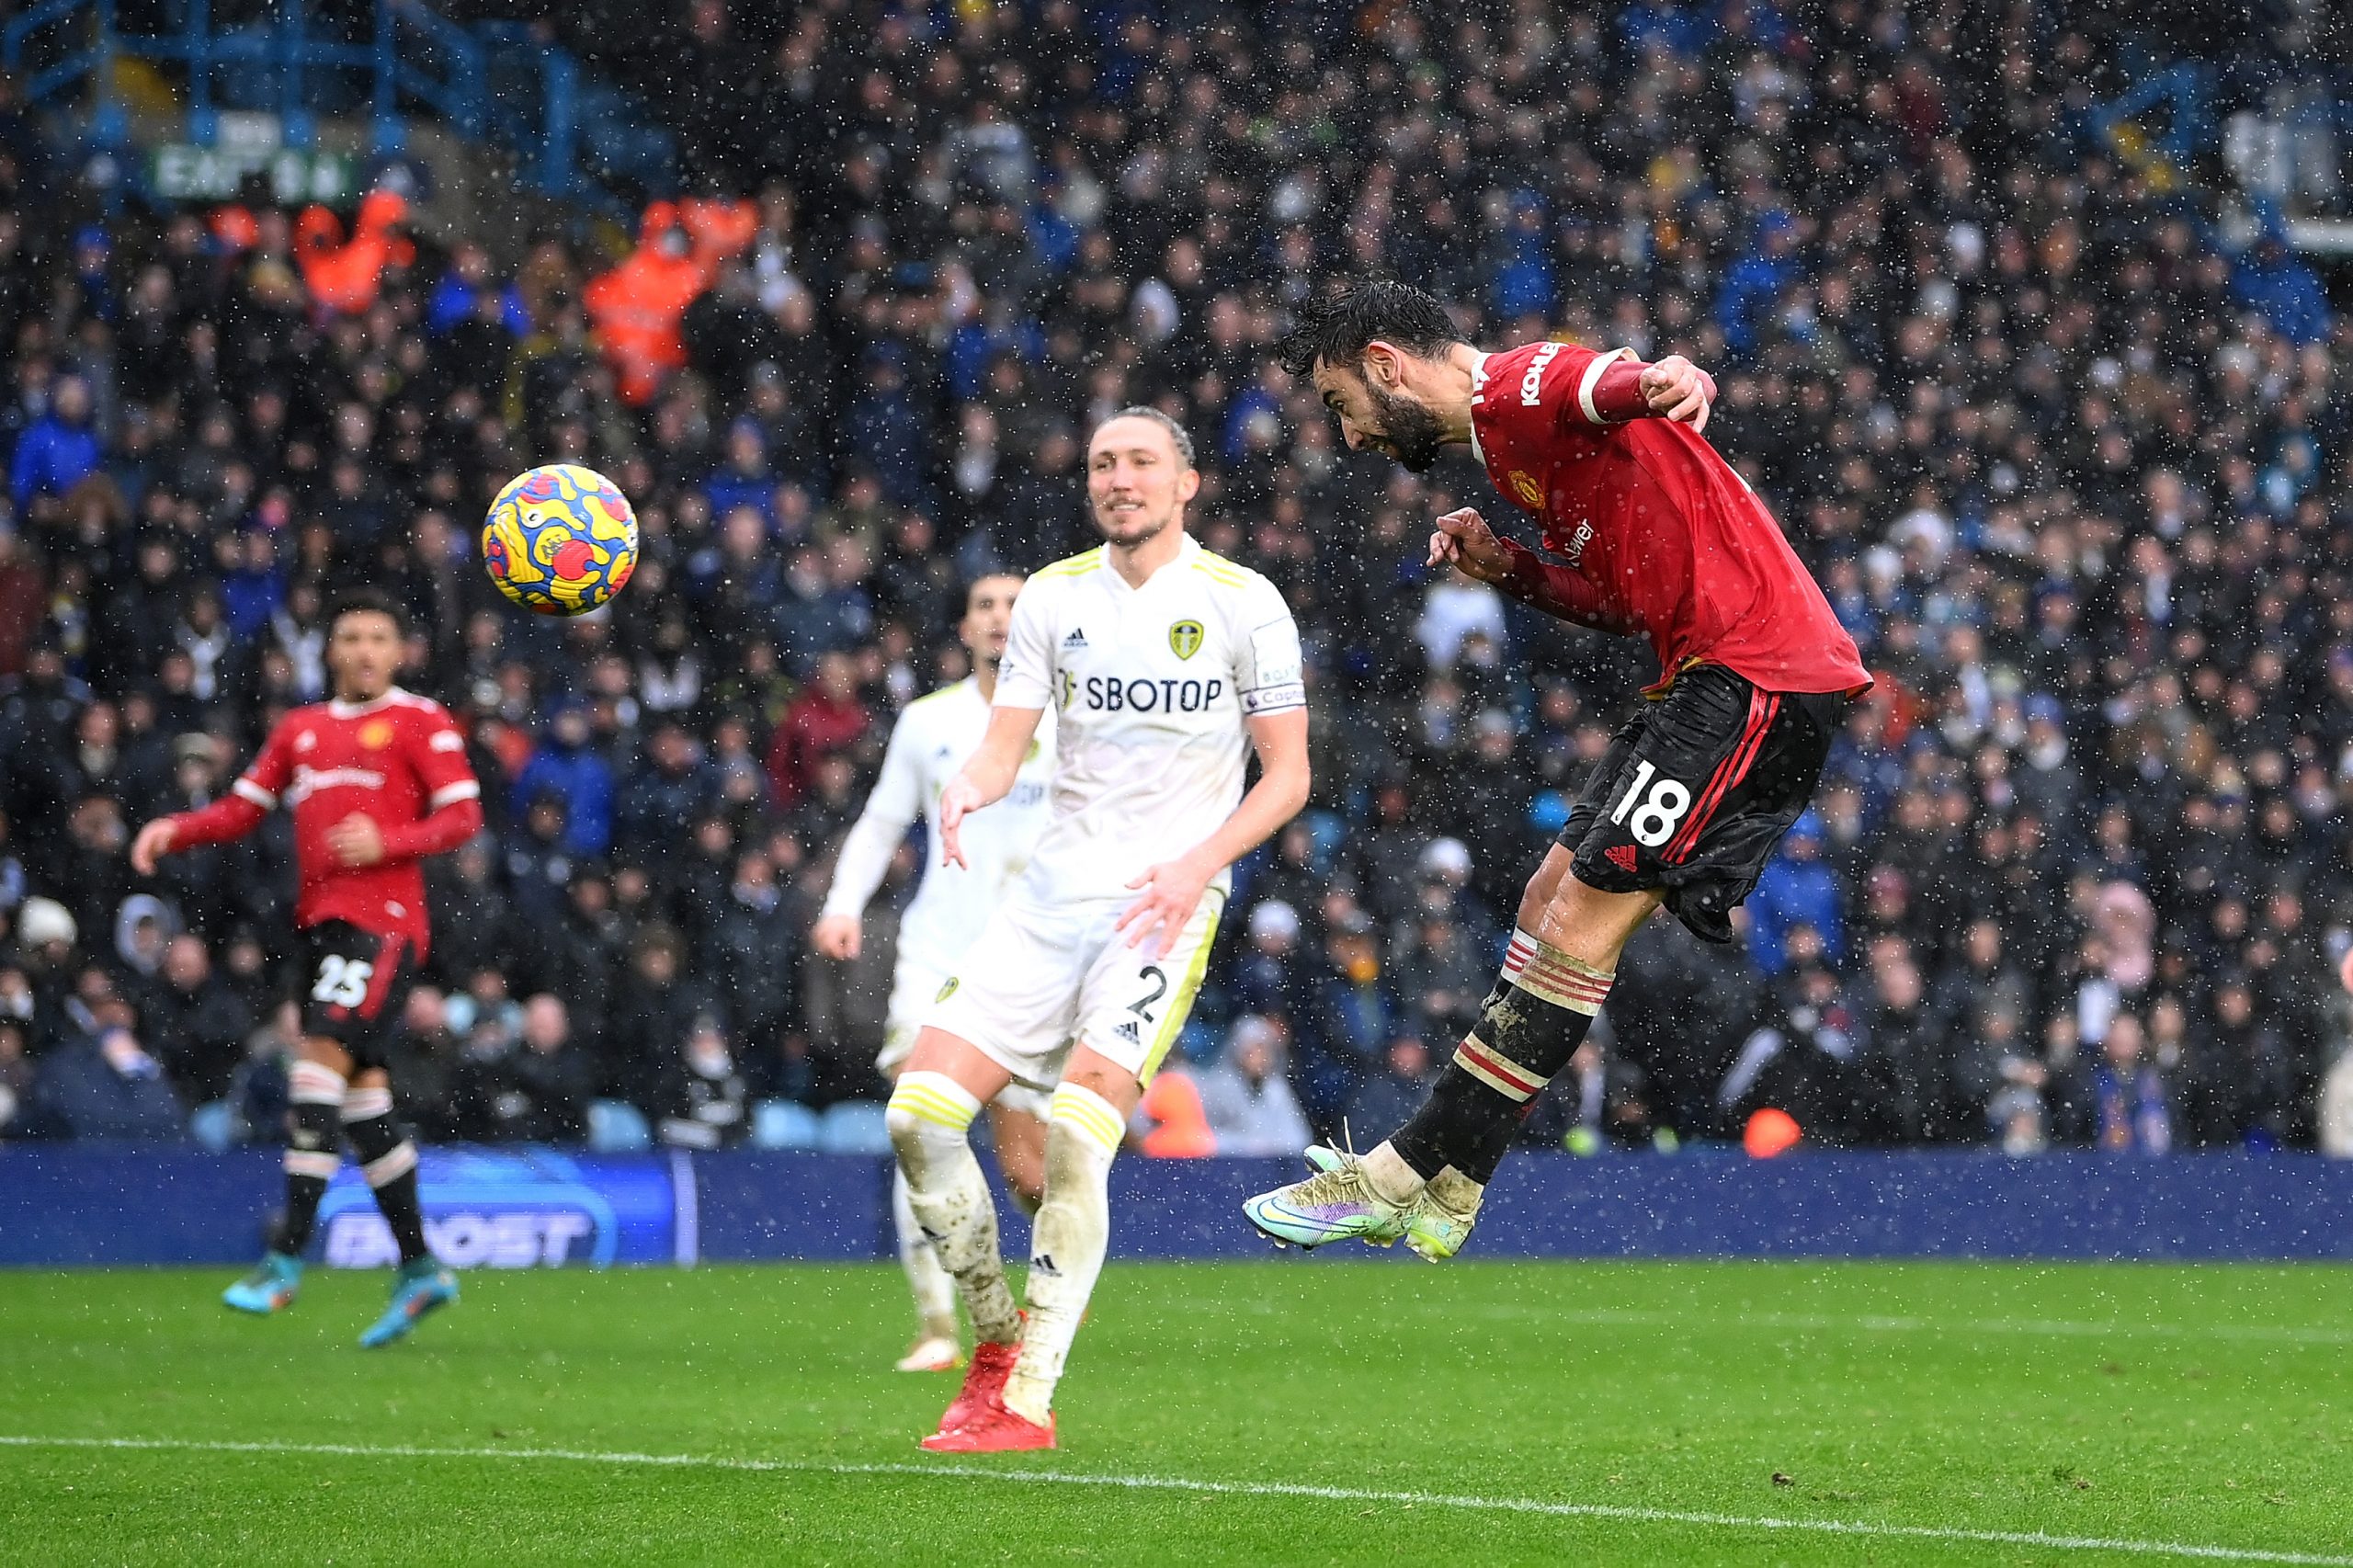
x: 561, y: 540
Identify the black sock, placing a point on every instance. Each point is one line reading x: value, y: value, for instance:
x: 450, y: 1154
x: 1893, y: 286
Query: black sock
x: 1528, y: 1029
x: 388, y: 1159
x: 311, y: 1155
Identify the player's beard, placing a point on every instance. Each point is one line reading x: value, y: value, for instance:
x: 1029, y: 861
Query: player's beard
x: 1132, y: 528
x: 1411, y: 428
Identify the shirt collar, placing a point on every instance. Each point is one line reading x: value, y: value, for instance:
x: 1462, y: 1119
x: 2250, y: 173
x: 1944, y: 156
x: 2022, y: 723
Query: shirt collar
x: 361, y: 709
x: 1478, y: 392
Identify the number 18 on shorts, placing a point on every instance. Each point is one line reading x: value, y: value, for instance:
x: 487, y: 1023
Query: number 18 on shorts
x: 1696, y: 790
x: 1039, y: 980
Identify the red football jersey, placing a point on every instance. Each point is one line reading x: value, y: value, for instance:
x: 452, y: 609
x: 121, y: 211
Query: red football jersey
x: 400, y: 762
x: 1659, y: 535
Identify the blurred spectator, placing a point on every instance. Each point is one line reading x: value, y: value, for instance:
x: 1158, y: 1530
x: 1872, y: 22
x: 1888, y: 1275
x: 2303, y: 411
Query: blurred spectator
x: 701, y: 1100
x: 1245, y: 1100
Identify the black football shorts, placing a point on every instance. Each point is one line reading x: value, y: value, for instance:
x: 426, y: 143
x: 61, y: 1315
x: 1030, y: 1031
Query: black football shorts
x: 1696, y: 790
x: 354, y: 985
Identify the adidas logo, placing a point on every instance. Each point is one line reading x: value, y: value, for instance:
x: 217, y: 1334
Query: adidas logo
x: 1044, y: 1264
x: 1130, y: 1032
x: 1077, y: 638
x: 1621, y: 856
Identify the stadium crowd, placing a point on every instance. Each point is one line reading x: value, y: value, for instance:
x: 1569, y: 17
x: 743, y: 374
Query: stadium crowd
x: 2076, y: 476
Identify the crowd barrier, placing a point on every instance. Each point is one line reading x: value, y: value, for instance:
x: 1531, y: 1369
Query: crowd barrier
x: 116, y: 1204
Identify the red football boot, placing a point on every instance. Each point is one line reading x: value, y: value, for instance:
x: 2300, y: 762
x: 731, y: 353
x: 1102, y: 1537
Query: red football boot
x: 995, y: 1430
x: 984, y: 1383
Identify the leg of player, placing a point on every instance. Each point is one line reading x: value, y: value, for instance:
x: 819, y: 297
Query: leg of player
x: 313, y: 1149
x: 1073, y: 1232
x: 1020, y: 1152
x: 934, y: 1349
x: 388, y: 1159
x: 938, y: 1094
x: 1082, y: 1134
x: 1424, y: 1183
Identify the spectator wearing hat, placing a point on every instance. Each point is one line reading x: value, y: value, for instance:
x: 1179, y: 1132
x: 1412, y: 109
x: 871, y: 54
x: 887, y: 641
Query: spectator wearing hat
x: 1246, y: 1097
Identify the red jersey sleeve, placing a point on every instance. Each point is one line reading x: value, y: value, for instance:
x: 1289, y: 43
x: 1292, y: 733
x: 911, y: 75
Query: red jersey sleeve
x: 436, y: 751
x: 253, y: 796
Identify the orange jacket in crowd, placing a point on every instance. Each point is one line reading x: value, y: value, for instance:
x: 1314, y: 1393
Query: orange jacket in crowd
x: 345, y: 279
x: 1172, y: 1103
x: 638, y: 306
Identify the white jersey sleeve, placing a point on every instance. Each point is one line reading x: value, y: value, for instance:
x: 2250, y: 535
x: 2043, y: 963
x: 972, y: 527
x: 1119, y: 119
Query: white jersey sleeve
x: 1267, y: 662
x: 1025, y: 676
x: 899, y: 798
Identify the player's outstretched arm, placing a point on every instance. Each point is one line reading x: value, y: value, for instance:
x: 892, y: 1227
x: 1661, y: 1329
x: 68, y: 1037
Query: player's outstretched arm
x: 865, y: 855
x: 1168, y: 893
x: 984, y: 780
x: 231, y: 816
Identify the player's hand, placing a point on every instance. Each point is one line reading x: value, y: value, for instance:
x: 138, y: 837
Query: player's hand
x: 1677, y: 389
x: 153, y: 842
x: 1465, y: 541
x: 837, y: 936
x: 356, y: 841
x: 1171, y: 892
x: 958, y: 799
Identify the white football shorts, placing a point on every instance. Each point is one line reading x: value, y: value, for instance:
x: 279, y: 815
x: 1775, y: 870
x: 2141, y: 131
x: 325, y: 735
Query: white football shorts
x: 1039, y: 980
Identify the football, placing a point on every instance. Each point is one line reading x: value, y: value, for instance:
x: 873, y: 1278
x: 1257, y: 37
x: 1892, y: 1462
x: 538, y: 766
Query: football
x: 561, y: 540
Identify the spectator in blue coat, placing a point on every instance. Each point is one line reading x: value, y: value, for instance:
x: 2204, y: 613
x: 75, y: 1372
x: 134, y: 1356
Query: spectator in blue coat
x: 1754, y: 282
x: 105, y: 1085
x: 568, y: 768
x: 1797, y: 889
x: 59, y: 451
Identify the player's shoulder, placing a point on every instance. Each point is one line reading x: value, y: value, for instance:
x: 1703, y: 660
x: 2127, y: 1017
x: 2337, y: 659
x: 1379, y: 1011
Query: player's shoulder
x: 1533, y: 375
x: 1233, y: 583
x: 1070, y: 568
x: 934, y: 706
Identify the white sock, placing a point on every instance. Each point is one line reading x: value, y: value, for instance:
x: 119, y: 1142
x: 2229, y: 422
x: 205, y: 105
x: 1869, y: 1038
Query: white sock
x: 1387, y: 1173
x: 1073, y: 1229
x: 929, y: 1119
x: 935, y: 1291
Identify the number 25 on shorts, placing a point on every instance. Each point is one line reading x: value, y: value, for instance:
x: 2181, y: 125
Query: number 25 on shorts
x: 1656, y: 805
x: 343, y: 983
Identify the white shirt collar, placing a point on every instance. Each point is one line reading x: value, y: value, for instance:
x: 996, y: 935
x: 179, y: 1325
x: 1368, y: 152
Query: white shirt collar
x: 1478, y: 392
x: 361, y: 709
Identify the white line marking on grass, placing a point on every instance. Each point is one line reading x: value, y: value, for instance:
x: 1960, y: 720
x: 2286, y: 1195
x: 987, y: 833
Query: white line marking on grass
x: 1222, y: 1488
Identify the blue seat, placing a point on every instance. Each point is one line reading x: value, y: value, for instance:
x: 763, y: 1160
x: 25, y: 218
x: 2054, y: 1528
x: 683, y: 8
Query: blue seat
x: 617, y: 1127
x: 783, y: 1124
x: 854, y: 1127
x: 215, y: 1126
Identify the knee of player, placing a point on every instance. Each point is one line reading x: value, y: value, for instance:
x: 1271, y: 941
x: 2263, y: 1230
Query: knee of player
x: 928, y: 1112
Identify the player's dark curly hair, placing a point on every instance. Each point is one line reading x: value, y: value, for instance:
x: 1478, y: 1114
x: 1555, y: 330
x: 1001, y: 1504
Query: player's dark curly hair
x: 368, y: 601
x: 1335, y: 328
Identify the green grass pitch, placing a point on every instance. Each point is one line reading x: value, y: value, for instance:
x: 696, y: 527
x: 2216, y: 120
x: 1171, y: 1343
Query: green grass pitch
x: 1265, y: 1412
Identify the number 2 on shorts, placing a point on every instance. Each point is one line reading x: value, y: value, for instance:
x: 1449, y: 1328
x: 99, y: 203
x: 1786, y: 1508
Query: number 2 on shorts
x: 1142, y: 1006
x: 1661, y: 809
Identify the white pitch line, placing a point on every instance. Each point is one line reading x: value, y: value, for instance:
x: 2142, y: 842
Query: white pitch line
x: 2188, y: 1550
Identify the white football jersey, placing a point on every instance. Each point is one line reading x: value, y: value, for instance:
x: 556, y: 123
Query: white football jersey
x: 1150, y: 688
x: 934, y: 737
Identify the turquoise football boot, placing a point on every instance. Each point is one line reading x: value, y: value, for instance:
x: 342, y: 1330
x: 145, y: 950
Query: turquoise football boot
x: 1335, y: 1204
x: 420, y: 1287
x: 271, y: 1288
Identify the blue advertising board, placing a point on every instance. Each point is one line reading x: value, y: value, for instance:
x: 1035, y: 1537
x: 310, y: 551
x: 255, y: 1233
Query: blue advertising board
x: 68, y: 1204
x: 522, y: 1209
